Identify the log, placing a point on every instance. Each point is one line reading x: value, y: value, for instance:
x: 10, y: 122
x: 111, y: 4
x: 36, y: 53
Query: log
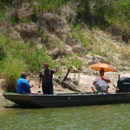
x: 66, y: 84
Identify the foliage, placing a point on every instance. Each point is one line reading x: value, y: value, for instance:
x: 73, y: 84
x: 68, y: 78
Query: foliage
x: 11, y: 70
x: 2, y: 52
x: 32, y: 56
x: 73, y: 60
x: 103, y: 12
x: 50, y: 6
x: 97, y: 12
x: 2, y: 14
x: 12, y: 20
x: 78, y: 35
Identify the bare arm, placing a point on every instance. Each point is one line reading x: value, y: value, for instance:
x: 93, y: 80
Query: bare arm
x: 31, y: 86
x: 94, y: 83
x: 105, y: 79
x: 39, y: 82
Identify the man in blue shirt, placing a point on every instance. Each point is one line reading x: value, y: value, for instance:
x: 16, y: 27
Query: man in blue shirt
x: 23, y: 85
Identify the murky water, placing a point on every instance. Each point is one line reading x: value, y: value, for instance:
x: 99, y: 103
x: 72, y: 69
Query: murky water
x: 104, y: 117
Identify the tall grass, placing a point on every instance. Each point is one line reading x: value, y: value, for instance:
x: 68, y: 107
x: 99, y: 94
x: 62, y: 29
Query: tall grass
x: 72, y: 60
x: 11, y: 70
x: 50, y: 5
x: 79, y: 35
x: 103, y: 12
x: 32, y: 56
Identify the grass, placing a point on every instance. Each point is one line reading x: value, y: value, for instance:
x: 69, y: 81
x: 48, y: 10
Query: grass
x: 72, y: 60
x: 50, y: 6
x: 16, y: 57
x: 2, y: 14
x: 19, y: 57
x: 78, y: 34
x: 11, y: 70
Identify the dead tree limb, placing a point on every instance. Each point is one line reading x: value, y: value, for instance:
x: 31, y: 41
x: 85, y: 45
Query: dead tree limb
x: 66, y: 84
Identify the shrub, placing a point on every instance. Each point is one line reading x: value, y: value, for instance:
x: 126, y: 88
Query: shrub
x: 11, y: 70
x: 73, y: 60
x: 2, y: 52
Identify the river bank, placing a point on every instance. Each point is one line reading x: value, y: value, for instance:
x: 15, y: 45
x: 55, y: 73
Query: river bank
x: 84, y: 83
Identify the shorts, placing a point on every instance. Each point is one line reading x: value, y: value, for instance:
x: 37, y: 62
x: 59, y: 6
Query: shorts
x: 101, y: 88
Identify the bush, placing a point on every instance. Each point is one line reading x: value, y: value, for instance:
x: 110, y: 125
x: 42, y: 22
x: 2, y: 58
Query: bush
x: 2, y: 53
x: 73, y: 60
x: 11, y: 70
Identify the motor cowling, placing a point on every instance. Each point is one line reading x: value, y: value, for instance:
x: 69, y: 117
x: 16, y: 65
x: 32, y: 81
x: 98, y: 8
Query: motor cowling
x: 123, y: 84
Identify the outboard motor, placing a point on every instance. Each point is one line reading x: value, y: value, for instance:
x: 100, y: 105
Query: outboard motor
x: 123, y: 84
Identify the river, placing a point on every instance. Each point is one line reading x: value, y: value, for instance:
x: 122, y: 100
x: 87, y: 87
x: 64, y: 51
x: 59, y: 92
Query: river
x: 103, y: 117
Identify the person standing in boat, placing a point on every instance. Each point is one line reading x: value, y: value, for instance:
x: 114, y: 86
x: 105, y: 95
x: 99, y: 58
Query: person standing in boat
x: 101, y: 83
x: 23, y: 85
x: 46, y: 77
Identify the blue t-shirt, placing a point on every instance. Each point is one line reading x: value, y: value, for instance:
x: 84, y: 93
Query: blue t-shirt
x: 23, y: 86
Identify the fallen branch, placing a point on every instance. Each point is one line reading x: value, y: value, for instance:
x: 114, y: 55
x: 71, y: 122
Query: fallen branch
x: 66, y: 84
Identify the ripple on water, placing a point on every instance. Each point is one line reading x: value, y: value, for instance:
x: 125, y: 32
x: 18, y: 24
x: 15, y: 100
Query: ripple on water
x: 104, y: 117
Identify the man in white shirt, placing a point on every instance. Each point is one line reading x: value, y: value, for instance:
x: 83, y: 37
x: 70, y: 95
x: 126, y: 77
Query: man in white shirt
x: 101, y: 83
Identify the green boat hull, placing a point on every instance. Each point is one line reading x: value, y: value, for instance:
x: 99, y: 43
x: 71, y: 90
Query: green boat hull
x: 66, y: 99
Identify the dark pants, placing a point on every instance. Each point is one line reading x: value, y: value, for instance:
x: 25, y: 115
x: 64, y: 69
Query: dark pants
x: 47, y: 89
x: 51, y: 90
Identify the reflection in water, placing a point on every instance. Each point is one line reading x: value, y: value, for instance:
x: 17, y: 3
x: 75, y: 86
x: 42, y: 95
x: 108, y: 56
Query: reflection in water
x: 104, y: 117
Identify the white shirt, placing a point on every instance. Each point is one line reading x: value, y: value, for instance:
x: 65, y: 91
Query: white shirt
x: 101, y: 82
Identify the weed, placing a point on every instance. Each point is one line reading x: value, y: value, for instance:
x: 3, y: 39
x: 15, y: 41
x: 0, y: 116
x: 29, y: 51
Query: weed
x: 73, y: 60
x: 11, y: 70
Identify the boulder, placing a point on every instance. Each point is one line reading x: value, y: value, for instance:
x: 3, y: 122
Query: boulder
x: 52, y: 23
x: 77, y: 49
x: 92, y: 59
x: 55, y: 53
x: 28, y: 32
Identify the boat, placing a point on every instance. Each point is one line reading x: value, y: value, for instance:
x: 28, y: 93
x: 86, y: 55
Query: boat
x: 66, y: 99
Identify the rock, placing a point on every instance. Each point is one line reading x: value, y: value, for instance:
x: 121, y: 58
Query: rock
x: 14, y: 34
x: 54, y: 24
x: 55, y: 53
x: 25, y: 12
x: 68, y: 12
x: 28, y: 32
x: 92, y: 59
x: 68, y: 50
x: 77, y: 49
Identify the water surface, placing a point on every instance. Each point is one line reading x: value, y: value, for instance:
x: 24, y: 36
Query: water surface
x: 103, y: 117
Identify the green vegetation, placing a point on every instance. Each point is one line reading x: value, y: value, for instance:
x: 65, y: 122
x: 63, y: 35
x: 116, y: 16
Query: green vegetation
x: 113, y: 12
x: 32, y: 56
x: 16, y: 56
x: 11, y: 70
x: 78, y: 34
x: 72, y: 60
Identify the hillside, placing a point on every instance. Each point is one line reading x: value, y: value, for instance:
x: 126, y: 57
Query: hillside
x: 65, y: 33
